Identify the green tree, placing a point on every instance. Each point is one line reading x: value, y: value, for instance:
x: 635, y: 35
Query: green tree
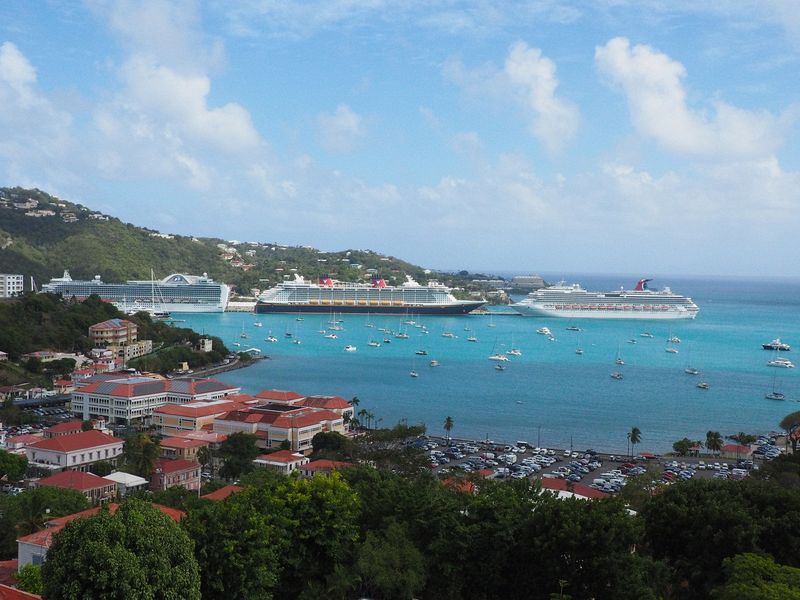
x: 448, y: 426
x: 177, y: 497
x: 389, y: 565
x: 634, y: 437
x: 714, y: 441
x: 238, y: 452
x: 141, y: 453
x: 331, y: 444
x: 12, y: 466
x: 101, y: 468
x: 237, y: 546
x: 791, y: 424
x: 755, y: 577
x: 205, y: 456
x: 319, y: 529
x: 87, y: 425
x: 139, y: 553
x: 684, y: 446
x: 29, y: 579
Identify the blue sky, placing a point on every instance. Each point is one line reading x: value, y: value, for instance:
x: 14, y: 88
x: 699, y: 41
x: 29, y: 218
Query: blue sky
x: 640, y: 136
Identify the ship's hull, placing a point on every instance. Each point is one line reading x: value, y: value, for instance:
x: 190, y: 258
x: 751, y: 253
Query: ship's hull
x: 638, y: 315
x: 460, y: 308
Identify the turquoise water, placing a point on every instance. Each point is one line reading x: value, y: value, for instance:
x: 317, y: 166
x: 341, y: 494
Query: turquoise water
x: 549, y: 394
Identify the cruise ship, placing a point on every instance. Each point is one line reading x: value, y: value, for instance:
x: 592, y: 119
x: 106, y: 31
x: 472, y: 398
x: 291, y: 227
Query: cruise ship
x: 574, y: 302
x: 178, y: 293
x: 300, y: 296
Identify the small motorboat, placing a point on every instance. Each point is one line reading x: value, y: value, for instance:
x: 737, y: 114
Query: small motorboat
x: 514, y: 352
x: 777, y: 345
x: 500, y: 367
x: 373, y: 344
x: 421, y: 353
x: 544, y: 331
x: 331, y: 336
x: 350, y: 348
x: 691, y: 371
x: 271, y: 338
x: 646, y: 334
x: 434, y: 363
x: 616, y: 375
x: 783, y: 363
x: 414, y: 374
x: 703, y: 385
x: 472, y: 338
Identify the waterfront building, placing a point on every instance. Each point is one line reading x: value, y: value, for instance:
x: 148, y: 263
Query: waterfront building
x: 284, y: 462
x: 10, y: 285
x: 194, y: 416
x: 275, y: 424
x: 336, y: 404
x: 75, y: 452
x: 127, y: 400
x: 175, y: 473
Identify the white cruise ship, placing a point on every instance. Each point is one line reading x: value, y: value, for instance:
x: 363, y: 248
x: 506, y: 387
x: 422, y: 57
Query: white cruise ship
x: 300, y: 296
x: 177, y: 293
x: 574, y: 302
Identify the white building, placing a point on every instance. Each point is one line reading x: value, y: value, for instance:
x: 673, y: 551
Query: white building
x: 133, y: 399
x: 127, y: 483
x: 75, y: 452
x: 10, y: 285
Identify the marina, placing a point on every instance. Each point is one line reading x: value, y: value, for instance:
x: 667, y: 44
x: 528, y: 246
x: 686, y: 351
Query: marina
x: 549, y: 385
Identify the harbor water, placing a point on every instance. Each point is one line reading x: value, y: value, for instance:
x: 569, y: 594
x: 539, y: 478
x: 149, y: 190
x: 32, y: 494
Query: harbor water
x: 549, y: 395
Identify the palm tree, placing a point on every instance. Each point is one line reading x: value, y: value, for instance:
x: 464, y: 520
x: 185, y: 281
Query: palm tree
x: 448, y: 426
x: 205, y: 456
x: 363, y: 414
x: 355, y: 401
x: 714, y: 441
x: 634, y: 437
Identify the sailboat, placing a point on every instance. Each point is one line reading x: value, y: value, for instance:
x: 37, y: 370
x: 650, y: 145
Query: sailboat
x: 618, y: 360
x: 690, y: 370
x: 670, y: 348
x: 491, y: 320
x: 578, y: 349
x: 270, y: 337
x: 775, y: 394
x: 413, y: 372
x: 514, y: 350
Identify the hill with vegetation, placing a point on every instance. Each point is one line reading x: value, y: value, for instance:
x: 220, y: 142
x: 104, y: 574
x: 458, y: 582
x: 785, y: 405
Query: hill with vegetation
x: 41, y: 236
x: 49, y: 322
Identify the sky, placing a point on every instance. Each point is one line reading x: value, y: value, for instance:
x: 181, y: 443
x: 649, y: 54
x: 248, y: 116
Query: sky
x: 621, y: 136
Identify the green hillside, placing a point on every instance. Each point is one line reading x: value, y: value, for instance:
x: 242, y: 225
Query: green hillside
x: 41, y: 235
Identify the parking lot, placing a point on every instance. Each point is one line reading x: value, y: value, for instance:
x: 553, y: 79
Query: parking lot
x: 604, y: 472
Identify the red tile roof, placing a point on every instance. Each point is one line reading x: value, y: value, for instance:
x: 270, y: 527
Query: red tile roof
x: 281, y: 456
x: 27, y: 439
x: 736, y: 449
x: 77, y: 441
x: 9, y: 593
x: 459, y: 485
x: 76, y: 480
x: 206, y: 436
x: 306, y: 419
x: 45, y: 536
x: 182, y: 442
x: 222, y: 493
x: 324, y: 464
x: 112, y: 325
x: 65, y: 427
x: 8, y: 568
x: 197, y: 409
x: 561, y: 485
x: 173, y: 466
x: 279, y: 395
x: 329, y: 402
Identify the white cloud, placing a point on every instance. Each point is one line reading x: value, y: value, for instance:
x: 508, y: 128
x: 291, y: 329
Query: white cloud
x: 530, y: 79
x: 653, y: 85
x: 552, y: 120
x: 35, y: 136
x: 341, y: 130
